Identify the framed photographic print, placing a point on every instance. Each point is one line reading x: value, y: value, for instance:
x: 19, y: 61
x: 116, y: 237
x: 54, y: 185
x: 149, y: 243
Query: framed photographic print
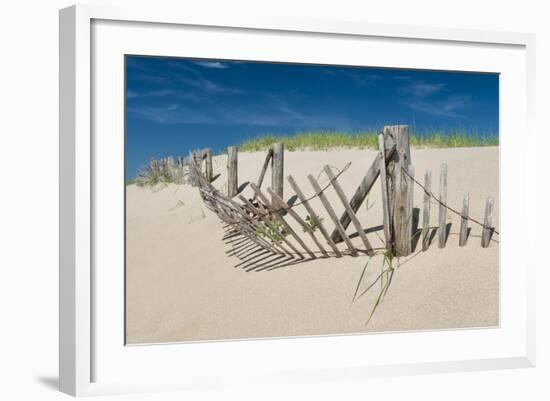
x: 274, y: 200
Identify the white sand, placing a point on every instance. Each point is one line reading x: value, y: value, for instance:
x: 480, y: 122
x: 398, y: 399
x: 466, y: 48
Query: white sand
x: 182, y: 286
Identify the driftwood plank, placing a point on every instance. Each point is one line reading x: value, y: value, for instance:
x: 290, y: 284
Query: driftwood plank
x: 426, y: 212
x: 442, y: 231
x: 464, y: 221
x: 276, y: 214
x: 232, y: 172
x: 277, y: 169
x: 316, y: 220
x: 262, y: 215
x: 409, y: 210
x: 385, y: 200
x: 487, y: 223
x: 296, y: 216
x: 331, y: 213
x: 364, y: 187
x: 350, y: 212
x: 264, y: 167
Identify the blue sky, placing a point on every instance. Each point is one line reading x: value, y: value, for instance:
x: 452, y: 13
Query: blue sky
x: 176, y: 105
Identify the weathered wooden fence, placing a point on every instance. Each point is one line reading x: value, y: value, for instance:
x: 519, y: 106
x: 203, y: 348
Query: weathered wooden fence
x: 262, y: 226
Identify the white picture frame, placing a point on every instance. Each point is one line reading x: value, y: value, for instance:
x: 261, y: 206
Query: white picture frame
x: 85, y: 349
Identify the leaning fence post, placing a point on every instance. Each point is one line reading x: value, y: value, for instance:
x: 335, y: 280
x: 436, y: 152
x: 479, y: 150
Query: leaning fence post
x: 264, y: 167
x: 442, y: 231
x: 487, y: 223
x: 277, y: 169
x: 399, y: 187
x: 464, y: 221
x: 208, y: 168
x: 232, y: 176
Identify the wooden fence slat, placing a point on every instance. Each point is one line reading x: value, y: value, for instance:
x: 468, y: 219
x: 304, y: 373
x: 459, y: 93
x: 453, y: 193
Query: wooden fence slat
x: 244, y: 231
x: 262, y: 216
x: 353, y: 217
x: 265, y: 214
x: 331, y: 213
x: 442, y: 231
x: 281, y: 219
x: 264, y: 167
x: 409, y: 211
x: 296, y: 216
x: 487, y: 223
x: 385, y: 200
x: 277, y: 169
x: 232, y: 171
x: 426, y: 212
x: 209, y: 172
x: 464, y: 221
x: 316, y: 220
x: 364, y: 187
x: 254, y: 225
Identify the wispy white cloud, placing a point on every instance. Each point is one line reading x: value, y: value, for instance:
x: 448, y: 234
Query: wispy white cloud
x: 208, y: 86
x: 421, y: 89
x: 433, y: 98
x: 212, y: 64
x: 359, y: 77
x: 451, y: 106
x: 364, y: 79
x: 181, y: 74
x: 270, y: 113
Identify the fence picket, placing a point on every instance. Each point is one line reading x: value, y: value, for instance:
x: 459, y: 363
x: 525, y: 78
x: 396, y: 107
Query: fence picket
x: 297, y: 217
x: 385, y: 200
x: 332, y: 214
x: 464, y: 221
x: 349, y: 210
x: 316, y: 220
x: 267, y: 224
x: 277, y: 169
x: 442, y: 231
x: 426, y: 212
x: 487, y: 223
x: 281, y: 219
x: 232, y: 173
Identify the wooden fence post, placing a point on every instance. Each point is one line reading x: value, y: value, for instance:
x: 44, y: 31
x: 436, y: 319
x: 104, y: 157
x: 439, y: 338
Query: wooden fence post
x: 232, y: 174
x: 464, y: 221
x: 442, y: 231
x: 399, y: 184
x: 209, y: 172
x: 277, y: 169
x: 426, y: 212
x: 385, y: 200
x: 487, y: 223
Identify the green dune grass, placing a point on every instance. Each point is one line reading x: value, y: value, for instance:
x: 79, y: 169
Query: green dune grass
x: 322, y: 140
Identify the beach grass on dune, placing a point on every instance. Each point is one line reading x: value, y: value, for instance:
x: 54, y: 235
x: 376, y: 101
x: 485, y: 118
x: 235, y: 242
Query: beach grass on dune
x: 322, y: 140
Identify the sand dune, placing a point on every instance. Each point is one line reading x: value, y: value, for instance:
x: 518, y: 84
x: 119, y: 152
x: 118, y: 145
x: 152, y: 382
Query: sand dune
x: 182, y: 285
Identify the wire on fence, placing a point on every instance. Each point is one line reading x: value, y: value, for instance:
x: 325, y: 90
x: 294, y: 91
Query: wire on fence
x: 430, y: 193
